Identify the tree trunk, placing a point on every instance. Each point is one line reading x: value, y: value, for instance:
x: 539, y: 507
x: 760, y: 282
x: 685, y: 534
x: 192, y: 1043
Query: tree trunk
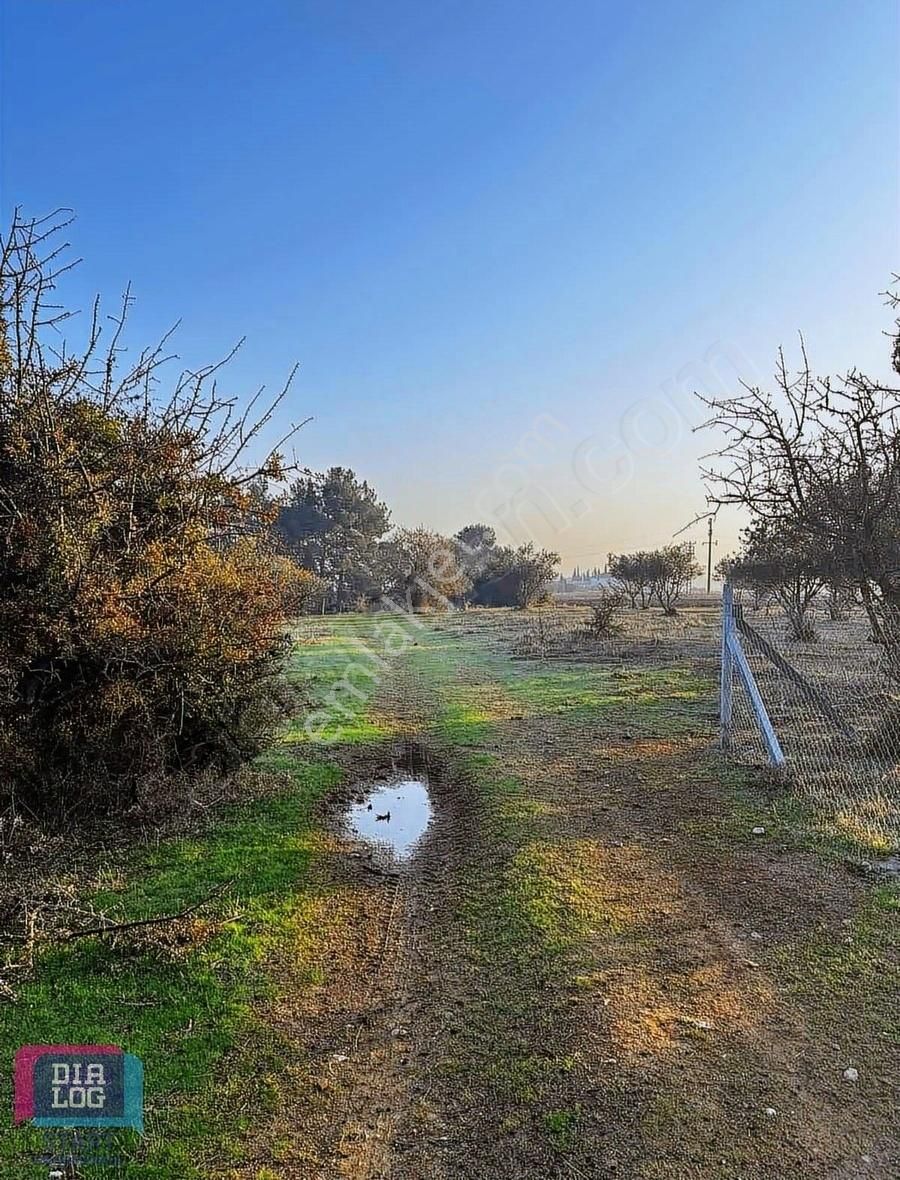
x: 884, y: 617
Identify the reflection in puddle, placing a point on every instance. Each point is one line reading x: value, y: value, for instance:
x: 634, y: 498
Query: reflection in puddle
x: 394, y: 816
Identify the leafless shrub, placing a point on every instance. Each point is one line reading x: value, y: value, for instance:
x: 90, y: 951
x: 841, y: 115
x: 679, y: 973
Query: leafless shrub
x: 603, y: 621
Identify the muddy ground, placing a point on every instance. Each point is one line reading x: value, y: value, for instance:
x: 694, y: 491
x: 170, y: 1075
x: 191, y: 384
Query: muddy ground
x: 592, y: 966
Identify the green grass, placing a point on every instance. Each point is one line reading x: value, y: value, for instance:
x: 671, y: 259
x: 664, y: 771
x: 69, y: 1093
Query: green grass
x: 562, y: 1127
x: 185, y: 1012
x: 790, y: 820
x: 836, y: 972
x: 192, y: 1014
x: 463, y: 725
x: 339, y: 674
x: 520, y: 926
x: 184, y: 1015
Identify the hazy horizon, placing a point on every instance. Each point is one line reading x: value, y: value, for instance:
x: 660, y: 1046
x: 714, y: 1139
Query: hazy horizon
x: 483, y: 233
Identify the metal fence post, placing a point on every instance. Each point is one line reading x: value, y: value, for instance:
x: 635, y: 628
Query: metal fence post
x: 763, y: 721
x: 726, y: 671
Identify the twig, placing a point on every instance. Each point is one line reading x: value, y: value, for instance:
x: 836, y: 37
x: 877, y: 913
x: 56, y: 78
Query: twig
x: 114, y: 927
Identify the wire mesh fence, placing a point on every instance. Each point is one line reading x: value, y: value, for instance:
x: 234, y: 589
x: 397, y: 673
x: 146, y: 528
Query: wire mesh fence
x: 835, y: 711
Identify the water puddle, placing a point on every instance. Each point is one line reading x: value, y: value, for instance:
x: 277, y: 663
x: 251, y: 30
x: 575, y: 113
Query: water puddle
x: 393, y: 816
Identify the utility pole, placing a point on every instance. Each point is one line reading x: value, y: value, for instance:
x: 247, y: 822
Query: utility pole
x: 692, y: 549
x: 709, y: 545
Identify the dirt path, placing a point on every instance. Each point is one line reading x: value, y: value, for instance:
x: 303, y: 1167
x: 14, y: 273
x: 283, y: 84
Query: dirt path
x: 592, y: 967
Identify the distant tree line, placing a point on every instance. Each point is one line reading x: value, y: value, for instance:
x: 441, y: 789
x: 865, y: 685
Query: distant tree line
x: 335, y: 526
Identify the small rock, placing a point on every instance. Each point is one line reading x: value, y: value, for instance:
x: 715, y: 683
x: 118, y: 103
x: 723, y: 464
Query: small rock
x: 851, y: 1074
x: 759, y: 831
x: 339, y: 1057
x: 771, y: 1112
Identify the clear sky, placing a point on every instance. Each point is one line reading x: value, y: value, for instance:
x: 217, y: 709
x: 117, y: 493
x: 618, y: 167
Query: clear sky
x: 476, y: 222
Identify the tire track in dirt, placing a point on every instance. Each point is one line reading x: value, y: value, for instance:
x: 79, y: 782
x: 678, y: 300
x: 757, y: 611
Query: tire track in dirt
x: 369, y: 1110
x: 356, y: 1039
x: 355, y: 1104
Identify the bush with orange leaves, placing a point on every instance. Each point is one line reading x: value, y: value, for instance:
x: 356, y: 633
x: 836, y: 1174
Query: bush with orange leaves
x: 143, y: 604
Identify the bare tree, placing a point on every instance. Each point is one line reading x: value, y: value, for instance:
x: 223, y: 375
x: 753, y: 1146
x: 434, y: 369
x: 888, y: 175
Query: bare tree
x: 634, y: 572
x: 422, y: 569
x: 533, y: 570
x: 779, y: 563
x: 727, y: 570
x: 821, y: 457
x: 673, y: 567
x: 838, y: 599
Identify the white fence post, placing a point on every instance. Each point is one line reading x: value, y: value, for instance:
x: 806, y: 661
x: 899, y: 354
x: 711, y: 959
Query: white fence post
x: 727, y: 667
x: 735, y: 659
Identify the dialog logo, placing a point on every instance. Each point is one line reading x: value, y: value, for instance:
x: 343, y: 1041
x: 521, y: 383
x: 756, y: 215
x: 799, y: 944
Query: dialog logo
x: 78, y: 1086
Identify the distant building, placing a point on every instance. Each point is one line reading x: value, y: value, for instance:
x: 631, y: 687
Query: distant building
x: 581, y: 580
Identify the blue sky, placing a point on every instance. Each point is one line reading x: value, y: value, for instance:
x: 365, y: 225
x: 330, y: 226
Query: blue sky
x: 465, y: 218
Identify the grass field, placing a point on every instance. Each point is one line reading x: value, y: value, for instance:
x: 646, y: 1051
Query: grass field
x: 592, y: 967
